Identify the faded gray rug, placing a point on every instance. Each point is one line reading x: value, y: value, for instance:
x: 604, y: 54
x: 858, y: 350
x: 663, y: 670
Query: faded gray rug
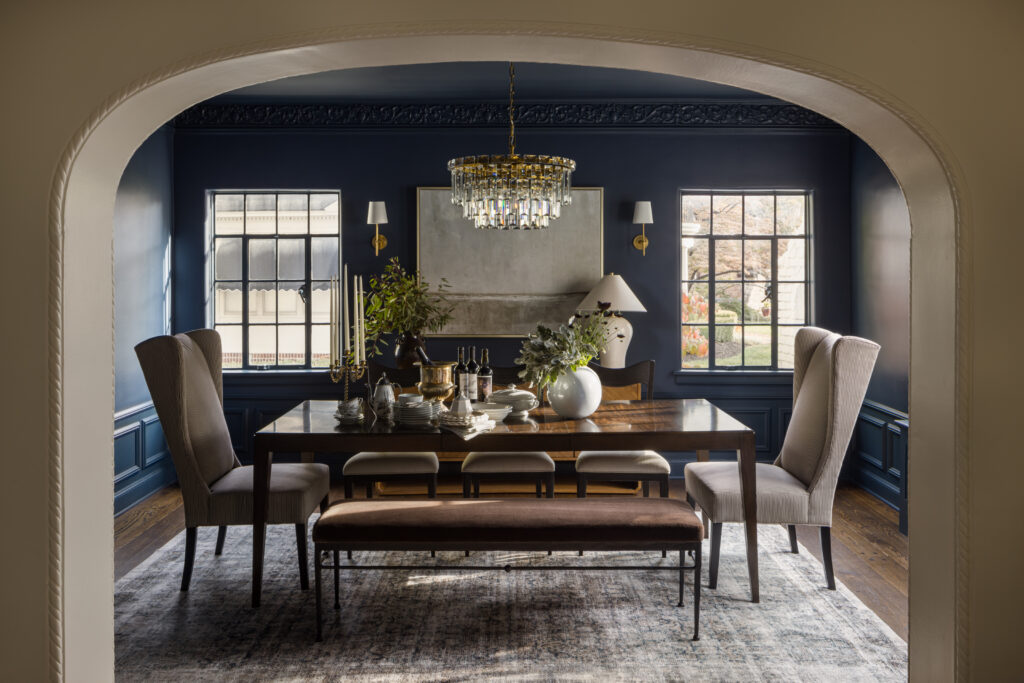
x: 457, y: 626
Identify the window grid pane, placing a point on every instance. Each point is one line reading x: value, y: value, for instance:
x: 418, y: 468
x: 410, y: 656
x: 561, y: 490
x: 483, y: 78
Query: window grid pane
x: 756, y: 264
x: 262, y: 304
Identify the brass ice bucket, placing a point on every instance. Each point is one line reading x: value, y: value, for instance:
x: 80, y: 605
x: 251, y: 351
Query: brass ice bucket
x: 436, y: 381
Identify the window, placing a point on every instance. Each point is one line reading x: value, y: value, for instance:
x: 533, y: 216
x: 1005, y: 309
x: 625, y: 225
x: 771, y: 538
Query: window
x: 273, y: 256
x: 744, y: 278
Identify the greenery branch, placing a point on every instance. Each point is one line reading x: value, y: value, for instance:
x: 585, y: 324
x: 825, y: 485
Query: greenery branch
x: 548, y: 353
x: 398, y: 302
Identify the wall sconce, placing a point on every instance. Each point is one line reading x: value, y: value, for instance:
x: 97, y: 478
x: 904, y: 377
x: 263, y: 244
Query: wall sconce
x: 376, y: 215
x: 642, y: 216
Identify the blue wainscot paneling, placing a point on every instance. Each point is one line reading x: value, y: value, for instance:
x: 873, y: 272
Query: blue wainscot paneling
x: 142, y: 461
x: 878, y: 462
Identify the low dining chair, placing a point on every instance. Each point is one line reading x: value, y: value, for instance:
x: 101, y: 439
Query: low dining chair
x: 830, y: 378
x: 183, y: 373
x: 644, y: 466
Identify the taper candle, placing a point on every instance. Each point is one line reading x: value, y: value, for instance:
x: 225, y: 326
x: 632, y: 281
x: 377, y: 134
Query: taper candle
x: 344, y: 316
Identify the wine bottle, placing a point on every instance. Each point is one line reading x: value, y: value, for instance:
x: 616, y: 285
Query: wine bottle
x: 485, y: 381
x: 460, y: 374
x: 472, y: 372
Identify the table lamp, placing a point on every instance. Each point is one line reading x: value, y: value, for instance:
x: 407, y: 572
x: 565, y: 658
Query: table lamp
x: 614, y: 291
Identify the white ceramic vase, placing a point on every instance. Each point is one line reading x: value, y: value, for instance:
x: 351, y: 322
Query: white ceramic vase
x: 575, y: 394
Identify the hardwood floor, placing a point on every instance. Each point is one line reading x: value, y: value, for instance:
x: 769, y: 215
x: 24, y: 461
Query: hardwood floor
x: 868, y: 551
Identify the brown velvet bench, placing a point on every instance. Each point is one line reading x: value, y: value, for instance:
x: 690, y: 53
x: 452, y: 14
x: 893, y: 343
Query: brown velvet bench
x: 509, y: 524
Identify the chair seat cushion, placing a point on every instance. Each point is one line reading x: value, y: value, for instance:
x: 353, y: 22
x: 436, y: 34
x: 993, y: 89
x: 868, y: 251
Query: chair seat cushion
x: 617, y: 523
x: 781, y: 497
x: 296, y: 489
x: 369, y: 463
x: 640, y: 462
x: 480, y: 462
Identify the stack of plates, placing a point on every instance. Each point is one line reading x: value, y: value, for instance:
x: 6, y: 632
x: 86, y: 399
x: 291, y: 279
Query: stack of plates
x: 474, y: 419
x: 417, y: 413
x: 495, y: 411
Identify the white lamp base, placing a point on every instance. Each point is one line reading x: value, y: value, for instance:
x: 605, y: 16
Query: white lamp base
x: 620, y: 333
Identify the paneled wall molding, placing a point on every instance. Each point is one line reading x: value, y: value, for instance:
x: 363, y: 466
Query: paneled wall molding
x: 142, y: 463
x: 492, y: 114
x: 878, y: 458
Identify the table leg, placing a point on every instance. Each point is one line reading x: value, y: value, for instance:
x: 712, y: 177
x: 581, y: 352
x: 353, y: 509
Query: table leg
x: 704, y: 456
x: 748, y: 490
x: 261, y: 500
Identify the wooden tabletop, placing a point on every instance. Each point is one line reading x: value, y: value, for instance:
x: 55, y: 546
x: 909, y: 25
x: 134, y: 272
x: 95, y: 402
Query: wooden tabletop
x: 661, y: 423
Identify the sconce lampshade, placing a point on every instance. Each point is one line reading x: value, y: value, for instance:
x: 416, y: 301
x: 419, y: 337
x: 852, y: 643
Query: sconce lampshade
x: 642, y: 213
x: 376, y: 214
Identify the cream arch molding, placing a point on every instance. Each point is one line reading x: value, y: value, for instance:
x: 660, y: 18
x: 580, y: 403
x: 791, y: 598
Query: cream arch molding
x: 81, y: 218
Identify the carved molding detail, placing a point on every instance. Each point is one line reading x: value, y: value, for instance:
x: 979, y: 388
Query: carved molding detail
x: 484, y: 115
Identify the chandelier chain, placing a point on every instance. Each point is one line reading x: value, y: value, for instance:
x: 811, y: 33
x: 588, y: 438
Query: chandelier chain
x: 511, y: 109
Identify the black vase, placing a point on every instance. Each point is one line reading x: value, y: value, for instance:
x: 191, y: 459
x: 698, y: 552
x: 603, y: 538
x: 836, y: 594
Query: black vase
x: 408, y: 350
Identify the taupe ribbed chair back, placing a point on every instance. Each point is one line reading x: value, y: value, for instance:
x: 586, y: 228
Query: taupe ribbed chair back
x: 830, y: 378
x: 184, y: 377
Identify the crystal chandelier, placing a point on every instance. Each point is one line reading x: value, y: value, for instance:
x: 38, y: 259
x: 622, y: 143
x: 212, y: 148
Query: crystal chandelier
x: 511, y: 191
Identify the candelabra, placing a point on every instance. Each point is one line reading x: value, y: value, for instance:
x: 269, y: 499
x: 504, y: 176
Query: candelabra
x: 345, y: 371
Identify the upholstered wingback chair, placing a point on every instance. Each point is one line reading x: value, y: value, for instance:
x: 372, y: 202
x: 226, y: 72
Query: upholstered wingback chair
x: 830, y: 378
x: 183, y: 373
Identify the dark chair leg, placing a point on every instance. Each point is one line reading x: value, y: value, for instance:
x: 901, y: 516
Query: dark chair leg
x: 467, y: 488
x: 318, y: 565
x: 348, y: 488
x: 663, y: 486
x: 551, y: 485
x: 337, y: 576
x: 476, y: 487
x: 222, y: 531
x: 432, y: 486
x: 300, y: 543
x: 646, y: 486
x: 826, y: 556
x: 793, y: 547
x: 696, y: 593
x: 581, y: 486
x: 190, y: 556
x: 325, y: 503
x: 369, y: 490
x: 538, y: 488
x: 716, y: 548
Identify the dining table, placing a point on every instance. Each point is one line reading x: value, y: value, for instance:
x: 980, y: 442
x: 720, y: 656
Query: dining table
x: 661, y: 424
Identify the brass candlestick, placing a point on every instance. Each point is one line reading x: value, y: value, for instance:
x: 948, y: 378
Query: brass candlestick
x: 345, y: 371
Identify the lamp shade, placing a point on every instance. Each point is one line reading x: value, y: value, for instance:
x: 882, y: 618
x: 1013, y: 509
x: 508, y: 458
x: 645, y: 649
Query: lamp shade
x: 613, y: 290
x: 642, y: 213
x: 376, y: 214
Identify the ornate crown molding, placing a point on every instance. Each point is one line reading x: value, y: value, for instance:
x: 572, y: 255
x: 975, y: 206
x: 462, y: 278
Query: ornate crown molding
x: 492, y: 115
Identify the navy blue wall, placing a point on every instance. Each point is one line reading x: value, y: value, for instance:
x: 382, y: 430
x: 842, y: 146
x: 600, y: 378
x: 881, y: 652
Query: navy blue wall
x: 630, y: 165
x: 880, y: 256
x: 142, y: 269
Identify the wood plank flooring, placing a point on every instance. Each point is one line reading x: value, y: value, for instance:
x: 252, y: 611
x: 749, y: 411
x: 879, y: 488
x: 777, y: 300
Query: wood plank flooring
x: 868, y: 552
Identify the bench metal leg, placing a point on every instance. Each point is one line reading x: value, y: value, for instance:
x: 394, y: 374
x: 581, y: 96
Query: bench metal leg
x: 319, y: 592
x: 538, y: 487
x: 551, y: 485
x: 663, y: 486
x: 581, y: 486
x: 682, y: 573
x: 369, y: 490
x: 467, y: 487
x: 696, y: 593
x: 348, y: 488
x: 300, y: 543
x: 646, y: 486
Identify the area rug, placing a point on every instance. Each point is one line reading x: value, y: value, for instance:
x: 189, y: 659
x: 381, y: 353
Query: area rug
x: 459, y: 626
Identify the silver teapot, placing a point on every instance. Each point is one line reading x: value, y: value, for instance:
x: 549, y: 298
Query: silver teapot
x: 383, y: 400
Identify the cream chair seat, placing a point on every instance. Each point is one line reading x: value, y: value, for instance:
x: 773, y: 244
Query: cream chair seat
x: 369, y: 467
x: 830, y: 377
x: 531, y: 465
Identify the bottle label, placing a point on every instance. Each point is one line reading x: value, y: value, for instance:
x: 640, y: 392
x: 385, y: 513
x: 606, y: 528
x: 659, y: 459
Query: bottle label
x: 471, y: 386
x: 485, y: 384
x: 464, y: 384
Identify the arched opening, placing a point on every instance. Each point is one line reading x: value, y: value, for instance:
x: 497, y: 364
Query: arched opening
x: 82, y: 217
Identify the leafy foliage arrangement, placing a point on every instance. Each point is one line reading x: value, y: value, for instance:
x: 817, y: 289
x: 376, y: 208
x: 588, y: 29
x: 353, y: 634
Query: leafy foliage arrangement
x: 398, y: 302
x: 547, y: 353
